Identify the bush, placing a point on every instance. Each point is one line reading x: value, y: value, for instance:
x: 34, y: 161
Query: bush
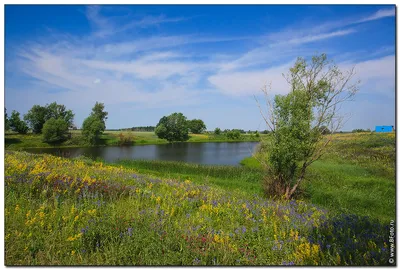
x: 217, y: 131
x: 125, y: 139
x: 233, y: 135
x: 55, y: 130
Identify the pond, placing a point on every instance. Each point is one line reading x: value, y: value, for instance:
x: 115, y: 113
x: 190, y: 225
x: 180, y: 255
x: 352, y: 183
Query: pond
x: 200, y: 153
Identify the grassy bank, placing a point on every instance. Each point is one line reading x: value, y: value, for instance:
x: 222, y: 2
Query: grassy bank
x: 111, y: 138
x: 228, y: 177
x: 357, y: 175
x: 71, y: 212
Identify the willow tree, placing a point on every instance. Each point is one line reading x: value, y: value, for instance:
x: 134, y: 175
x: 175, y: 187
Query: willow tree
x: 299, y: 120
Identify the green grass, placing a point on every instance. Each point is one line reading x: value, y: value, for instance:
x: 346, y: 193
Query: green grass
x: 108, y: 138
x: 228, y: 177
x: 80, y: 212
x: 356, y: 175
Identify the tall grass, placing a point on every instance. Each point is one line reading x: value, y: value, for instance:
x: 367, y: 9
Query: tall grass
x: 229, y: 177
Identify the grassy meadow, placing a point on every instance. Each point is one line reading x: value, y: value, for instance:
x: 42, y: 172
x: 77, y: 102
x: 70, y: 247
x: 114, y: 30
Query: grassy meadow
x: 81, y: 212
x: 14, y: 141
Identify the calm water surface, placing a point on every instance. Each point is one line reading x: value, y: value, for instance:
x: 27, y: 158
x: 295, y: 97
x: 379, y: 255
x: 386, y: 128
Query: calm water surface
x: 200, y: 153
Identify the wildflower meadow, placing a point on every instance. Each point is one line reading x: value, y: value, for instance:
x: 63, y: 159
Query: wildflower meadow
x: 72, y: 212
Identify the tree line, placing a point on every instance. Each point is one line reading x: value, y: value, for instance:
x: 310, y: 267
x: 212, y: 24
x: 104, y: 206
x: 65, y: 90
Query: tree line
x: 53, y: 121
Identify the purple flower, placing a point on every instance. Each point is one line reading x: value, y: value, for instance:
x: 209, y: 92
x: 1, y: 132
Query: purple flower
x: 196, y: 261
x: 287, y: 263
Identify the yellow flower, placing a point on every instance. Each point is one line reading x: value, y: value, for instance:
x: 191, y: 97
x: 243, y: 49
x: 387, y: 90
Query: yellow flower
x: 92, y: 212
x: 73, y: 252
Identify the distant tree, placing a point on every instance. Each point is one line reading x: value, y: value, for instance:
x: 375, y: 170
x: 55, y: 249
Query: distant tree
x: 6, y: 121
x: 196, y: 126
x: 357, y: 130
x: 16, y: 124
x: 55, y: 130
x: 57, y: 111
x: 257, y: 134
x: 173, y: 128
x: 92, y: 128
x: 217, y: 131
x: 266, y: 132
x: 146, y: 128
x: 38, y: 115
x: 98, y: 111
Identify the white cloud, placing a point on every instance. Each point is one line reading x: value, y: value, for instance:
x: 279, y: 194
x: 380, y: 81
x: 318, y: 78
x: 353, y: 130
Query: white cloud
x: 245, y: 83
x: 382, y: 13
x: 104, y: 27
x: 312, y: 38
x: 376, y: 75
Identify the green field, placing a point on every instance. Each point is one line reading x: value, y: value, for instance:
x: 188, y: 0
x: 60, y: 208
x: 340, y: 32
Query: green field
x: 15, y: 141
x: 80, y: 212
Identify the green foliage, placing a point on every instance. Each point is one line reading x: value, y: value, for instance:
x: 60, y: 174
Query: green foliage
x: 16, y: 124
x: 92, y: 128
x: 217, y: 131
x: 299, y: 119
x: 55, y: 130
x: 358, y: 130
x: 173, y: 128
x: 6, y: 121
x: 233, y: 135
x: 98, y: 111
x: 38, y: 115
x: 196, y: 126
x: 292, y: 139
x: 59, y: 111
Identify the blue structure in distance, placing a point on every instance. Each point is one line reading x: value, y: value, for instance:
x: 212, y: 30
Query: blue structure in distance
x: 384, y: 129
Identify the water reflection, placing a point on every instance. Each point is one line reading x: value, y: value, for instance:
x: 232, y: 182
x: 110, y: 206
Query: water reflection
x: 200, y: 153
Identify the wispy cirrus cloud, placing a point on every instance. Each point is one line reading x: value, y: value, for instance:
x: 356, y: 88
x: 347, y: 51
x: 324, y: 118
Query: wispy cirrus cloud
x: 382, y: 13
x: 104, y: 26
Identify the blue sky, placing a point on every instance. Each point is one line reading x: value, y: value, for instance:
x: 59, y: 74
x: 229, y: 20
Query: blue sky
x: 208, y: 62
